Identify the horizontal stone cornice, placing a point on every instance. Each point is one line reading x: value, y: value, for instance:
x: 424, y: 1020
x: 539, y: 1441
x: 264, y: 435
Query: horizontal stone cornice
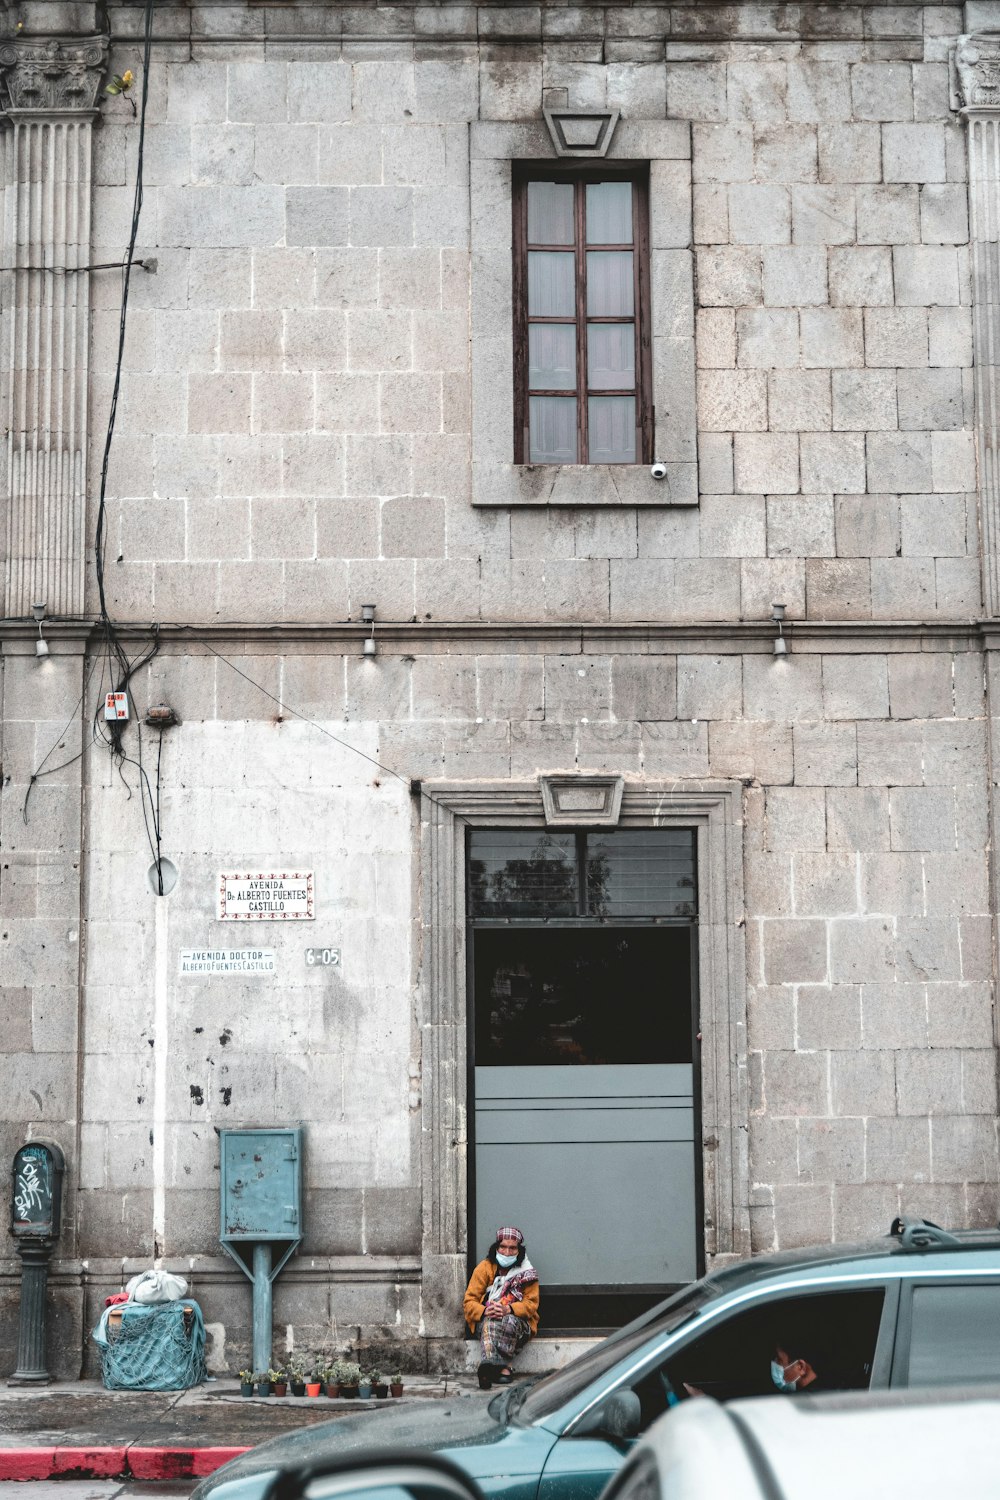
x: 17, y: 637
x: 501, y: 25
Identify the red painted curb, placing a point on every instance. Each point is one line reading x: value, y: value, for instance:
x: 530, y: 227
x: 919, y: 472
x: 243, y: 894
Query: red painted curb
x: 178, y: 1463
x: 113, y: 1463
x: 26, y: 1463
x: 88, y: 1463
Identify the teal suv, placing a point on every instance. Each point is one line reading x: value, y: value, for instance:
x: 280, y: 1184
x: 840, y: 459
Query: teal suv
x: 919, y: 1308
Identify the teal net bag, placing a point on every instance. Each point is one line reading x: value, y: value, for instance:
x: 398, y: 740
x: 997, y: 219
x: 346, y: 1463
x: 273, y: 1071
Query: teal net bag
x: 154, y: 1348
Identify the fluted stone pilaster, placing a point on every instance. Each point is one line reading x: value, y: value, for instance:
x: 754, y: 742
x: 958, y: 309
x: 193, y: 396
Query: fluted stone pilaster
x: 50, y: 91
x: 977, y: 67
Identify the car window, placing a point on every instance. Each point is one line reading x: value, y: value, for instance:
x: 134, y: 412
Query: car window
x: 835, y: 1333
x: 548, y: 1395
x: 954, y: 1334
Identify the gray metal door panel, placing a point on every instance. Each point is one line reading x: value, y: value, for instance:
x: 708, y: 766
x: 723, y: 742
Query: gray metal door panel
x: 644, y: 1123
x: 592, y: 1081
x: 596, y: 1164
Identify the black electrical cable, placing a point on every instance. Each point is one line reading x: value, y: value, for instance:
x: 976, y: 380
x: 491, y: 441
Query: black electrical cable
x: 121, y: 669
x: 103, y: 265
x: 287, y: 707
x: 39, y: 770
x: 157, y: 824
x: 304, y: 717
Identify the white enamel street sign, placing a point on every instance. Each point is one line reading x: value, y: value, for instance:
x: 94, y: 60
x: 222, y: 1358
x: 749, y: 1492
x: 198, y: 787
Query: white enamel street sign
x: 267, y: 896
x: 227, y: 961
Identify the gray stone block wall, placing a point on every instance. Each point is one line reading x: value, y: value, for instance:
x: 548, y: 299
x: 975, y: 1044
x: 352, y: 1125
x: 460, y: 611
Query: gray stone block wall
x: 867, y: 917
x: 295, y: 439
x: 296, y: 396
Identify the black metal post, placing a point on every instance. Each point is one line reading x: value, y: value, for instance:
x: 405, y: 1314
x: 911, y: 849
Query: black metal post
x: 31, y: 1366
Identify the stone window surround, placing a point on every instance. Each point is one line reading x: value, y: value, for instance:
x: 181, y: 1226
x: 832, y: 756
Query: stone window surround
x: 496, y: 479
x: 715, y: 809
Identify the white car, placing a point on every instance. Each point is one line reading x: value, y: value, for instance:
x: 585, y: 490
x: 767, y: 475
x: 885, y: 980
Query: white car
x: 846, y: 1446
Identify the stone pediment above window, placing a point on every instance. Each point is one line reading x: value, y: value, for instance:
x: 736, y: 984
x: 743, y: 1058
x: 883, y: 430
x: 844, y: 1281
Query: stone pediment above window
x: 666, y: 425
x: 582, y: 801
x: 581, y: 132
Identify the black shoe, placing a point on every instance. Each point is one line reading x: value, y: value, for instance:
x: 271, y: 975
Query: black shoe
x: 487, y: 1374
x: 505, y: 1377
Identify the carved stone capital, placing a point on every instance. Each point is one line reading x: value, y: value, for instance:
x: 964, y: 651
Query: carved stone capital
x: 54, y: 76
x: 977, y: 71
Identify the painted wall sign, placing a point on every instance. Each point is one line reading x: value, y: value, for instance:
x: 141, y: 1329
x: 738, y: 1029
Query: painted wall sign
x: 268, y: 896
x: 227, y: 961
x: 323, y: 958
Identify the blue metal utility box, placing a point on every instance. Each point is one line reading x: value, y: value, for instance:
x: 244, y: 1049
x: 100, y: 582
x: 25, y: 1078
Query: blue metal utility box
x: 261, y: 1211
x: 261, y: 1185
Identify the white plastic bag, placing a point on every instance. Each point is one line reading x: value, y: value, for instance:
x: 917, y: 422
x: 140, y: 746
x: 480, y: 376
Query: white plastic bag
x: 156, y: 1286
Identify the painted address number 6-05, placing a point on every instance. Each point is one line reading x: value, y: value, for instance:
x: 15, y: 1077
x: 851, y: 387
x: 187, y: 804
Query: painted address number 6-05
x: 324, y: 957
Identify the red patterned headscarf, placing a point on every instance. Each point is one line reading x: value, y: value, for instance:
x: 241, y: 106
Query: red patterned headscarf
x: 509, y: 1232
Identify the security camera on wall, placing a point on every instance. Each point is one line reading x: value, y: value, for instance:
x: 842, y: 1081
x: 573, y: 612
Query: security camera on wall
x: 658, y: 471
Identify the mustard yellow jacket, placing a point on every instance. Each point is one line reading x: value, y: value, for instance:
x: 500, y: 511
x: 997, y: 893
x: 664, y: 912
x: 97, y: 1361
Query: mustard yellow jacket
x: 474, y: 1304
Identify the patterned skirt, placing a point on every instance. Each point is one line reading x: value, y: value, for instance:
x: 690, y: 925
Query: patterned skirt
x: 501, y: 1338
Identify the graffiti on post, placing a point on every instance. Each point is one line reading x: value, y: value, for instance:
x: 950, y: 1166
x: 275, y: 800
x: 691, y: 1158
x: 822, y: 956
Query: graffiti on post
x: 33, y: 1190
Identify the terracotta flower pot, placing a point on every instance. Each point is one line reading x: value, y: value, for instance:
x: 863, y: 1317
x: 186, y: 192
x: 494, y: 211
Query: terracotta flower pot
x: 332, y: 1389
x: 395, y: 1388
x: 281, y: 1387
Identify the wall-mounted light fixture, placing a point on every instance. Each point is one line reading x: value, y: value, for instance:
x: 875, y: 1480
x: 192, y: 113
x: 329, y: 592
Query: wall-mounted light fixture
x: 368, y: 617
x: 41, y: 645
x: 780, y: 647
x: 161, y: 716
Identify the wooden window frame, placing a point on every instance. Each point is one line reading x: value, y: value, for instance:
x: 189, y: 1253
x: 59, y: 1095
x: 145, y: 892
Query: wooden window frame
x: 638, y: 175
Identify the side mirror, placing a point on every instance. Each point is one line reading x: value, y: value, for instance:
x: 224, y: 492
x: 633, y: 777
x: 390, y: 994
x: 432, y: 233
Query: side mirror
x: 617, y: 1417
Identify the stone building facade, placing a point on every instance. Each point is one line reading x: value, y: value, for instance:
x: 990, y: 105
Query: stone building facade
x: 316, y: 413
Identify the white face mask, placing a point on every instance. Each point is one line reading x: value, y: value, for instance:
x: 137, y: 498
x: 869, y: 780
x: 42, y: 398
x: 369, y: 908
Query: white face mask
x: 778, y: 1377
x: 505, y: 1260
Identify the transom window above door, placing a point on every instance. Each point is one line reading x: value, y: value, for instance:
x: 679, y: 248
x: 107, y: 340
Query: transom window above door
x: 611, y: 875
x: 581, y: 317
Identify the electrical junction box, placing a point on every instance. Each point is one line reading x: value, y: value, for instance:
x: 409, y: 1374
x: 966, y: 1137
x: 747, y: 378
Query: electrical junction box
x: 116, y: 706
x: 261, y: 1185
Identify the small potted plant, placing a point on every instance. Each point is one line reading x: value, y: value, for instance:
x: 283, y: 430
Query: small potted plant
x: 262, y: 1381
x: 246, y: 1382
x: 314, y: 1382
x: 396, y: 1384
x: 365, y: 1386
x: 331, y: 1379
x: 379, y: 1388
x: 297, y: 1375
x: 279, y: 1382
x: 350, y: 1375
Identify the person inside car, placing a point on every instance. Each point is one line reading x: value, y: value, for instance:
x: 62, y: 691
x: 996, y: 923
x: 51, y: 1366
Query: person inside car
x: 501, y: 1305
x: 788, y: 1374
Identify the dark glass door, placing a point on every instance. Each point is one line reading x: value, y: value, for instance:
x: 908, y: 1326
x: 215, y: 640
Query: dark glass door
x: 584, y: 1073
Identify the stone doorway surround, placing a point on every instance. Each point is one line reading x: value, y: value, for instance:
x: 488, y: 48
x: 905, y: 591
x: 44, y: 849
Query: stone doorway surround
x: 447, y: 809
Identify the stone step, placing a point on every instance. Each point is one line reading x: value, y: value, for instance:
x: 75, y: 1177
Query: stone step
x: 548, y: 1352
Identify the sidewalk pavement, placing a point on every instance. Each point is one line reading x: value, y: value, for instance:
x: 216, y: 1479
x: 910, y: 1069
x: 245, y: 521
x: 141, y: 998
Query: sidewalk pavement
x: 80, y: 1430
